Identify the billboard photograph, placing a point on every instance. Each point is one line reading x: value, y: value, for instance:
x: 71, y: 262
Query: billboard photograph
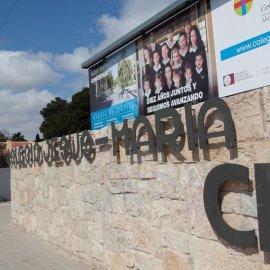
x: 113, y: 89
x: 176, y: 62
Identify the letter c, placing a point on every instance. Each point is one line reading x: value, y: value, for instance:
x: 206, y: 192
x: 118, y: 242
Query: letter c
x: 212, y: 184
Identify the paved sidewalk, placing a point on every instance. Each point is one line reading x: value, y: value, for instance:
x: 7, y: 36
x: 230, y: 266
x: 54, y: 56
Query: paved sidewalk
x: 24, y: 251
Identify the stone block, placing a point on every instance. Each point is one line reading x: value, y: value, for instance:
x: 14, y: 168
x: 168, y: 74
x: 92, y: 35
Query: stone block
x: 118, y: 204
x: 147, y: 238
x: 202, y: 226
x: 208, y: 254
x: 131, y: 186
x: 174, y: 261
x: 116, y: 187
x: 249, y: 204
x: 177, y: 241
x: 133, y: 204
x: 148, y: 170
x: 160, y: 213
x: 123, y: 222
x: 97, y: 251
x: 118, y: 261
x: 230, y: 202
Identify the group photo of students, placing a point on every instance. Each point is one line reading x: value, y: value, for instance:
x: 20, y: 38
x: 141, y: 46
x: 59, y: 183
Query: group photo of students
x: 175, y: 70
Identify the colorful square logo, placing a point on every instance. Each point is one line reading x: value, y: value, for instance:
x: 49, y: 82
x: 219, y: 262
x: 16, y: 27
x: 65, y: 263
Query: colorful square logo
x: 242, y: 7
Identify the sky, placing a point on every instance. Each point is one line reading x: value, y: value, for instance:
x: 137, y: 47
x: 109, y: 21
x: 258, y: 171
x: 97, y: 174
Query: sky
x: 43, y: 44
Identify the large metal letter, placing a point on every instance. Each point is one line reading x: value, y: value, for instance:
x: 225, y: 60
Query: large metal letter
x: 75, y: 151
x: 64, y: 147
x: 163, y: 138
x: 28, y: 154
x: 141, y: 119
x: 212, y: 184
x: 189, y: 125
x: 228, y: 131
x: 118, y: 134
x: 262, y: 178
x: 54, y: 151
x: 86, y: 144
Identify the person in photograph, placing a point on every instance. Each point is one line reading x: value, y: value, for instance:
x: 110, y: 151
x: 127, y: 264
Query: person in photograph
x: 188, y: 75
x: 192, y: 86
x: 168, y: 86
x: 183, y: 48
x: 176, y: 61
x: 170, y: 41
x: 157, y: 67
x: 188, y: 25
x: 196, y: 45
x: 155, y: 47
x: 165, y: 54
x: 176, y: 79
x: 158, y: 84
x: 161, y: 99
x: 148, y: 60
x: 201, y: 75
x: 177, y: 89
x: 148, y: 94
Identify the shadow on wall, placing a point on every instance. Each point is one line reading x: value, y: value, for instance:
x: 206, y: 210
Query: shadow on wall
x: 5, y: 184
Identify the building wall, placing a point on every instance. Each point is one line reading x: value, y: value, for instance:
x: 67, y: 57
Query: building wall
x: 146, y: 211
x: 4, y: 183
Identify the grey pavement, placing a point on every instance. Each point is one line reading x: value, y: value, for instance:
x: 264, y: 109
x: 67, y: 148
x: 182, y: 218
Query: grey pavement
x: 25, y: 251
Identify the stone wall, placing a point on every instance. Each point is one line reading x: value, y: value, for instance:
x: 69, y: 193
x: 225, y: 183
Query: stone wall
x: 146, y: 211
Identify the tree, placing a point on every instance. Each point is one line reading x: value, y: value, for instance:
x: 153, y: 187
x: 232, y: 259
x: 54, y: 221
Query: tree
x: 125, y: 72
x: 3, y: 160
x: 79, y: 111
x: 4, y: 135
x: 17, y: 137
x: 110, y: 80
x: 55, y: 123
x: 61, y: 117
x: 38, y: 138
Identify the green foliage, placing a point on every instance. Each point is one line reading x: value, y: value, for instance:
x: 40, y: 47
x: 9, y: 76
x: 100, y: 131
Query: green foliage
x: 79, y: 111
x: 55, y: 123
x: 17, y: 137
x: 3, y: 161
x: 61, y: 117
x: 110, y: 80
x: 126, y: 72
x: 38, y: 138
x: 4, y: 135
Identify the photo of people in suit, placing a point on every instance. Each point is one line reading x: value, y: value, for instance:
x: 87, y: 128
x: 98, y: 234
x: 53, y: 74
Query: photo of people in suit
x: 175, y: 63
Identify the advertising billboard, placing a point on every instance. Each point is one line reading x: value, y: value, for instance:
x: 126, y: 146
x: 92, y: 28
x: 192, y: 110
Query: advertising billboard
x: 242, y: 42
x: 187, y: 57
x: 113, y: 89
x: 177, y: 62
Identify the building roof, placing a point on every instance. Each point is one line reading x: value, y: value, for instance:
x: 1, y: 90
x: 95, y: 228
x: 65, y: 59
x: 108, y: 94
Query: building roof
x: 13, y: 145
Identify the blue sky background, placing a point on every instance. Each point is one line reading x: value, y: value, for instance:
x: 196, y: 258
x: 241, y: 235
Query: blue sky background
x: 43, y: 44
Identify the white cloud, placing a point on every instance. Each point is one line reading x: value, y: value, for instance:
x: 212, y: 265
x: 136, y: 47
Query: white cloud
x: 71, y: 62
x: 77, y: 84
x: 20, y: 111
x: 132, y: 14
x: 21, y: 70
